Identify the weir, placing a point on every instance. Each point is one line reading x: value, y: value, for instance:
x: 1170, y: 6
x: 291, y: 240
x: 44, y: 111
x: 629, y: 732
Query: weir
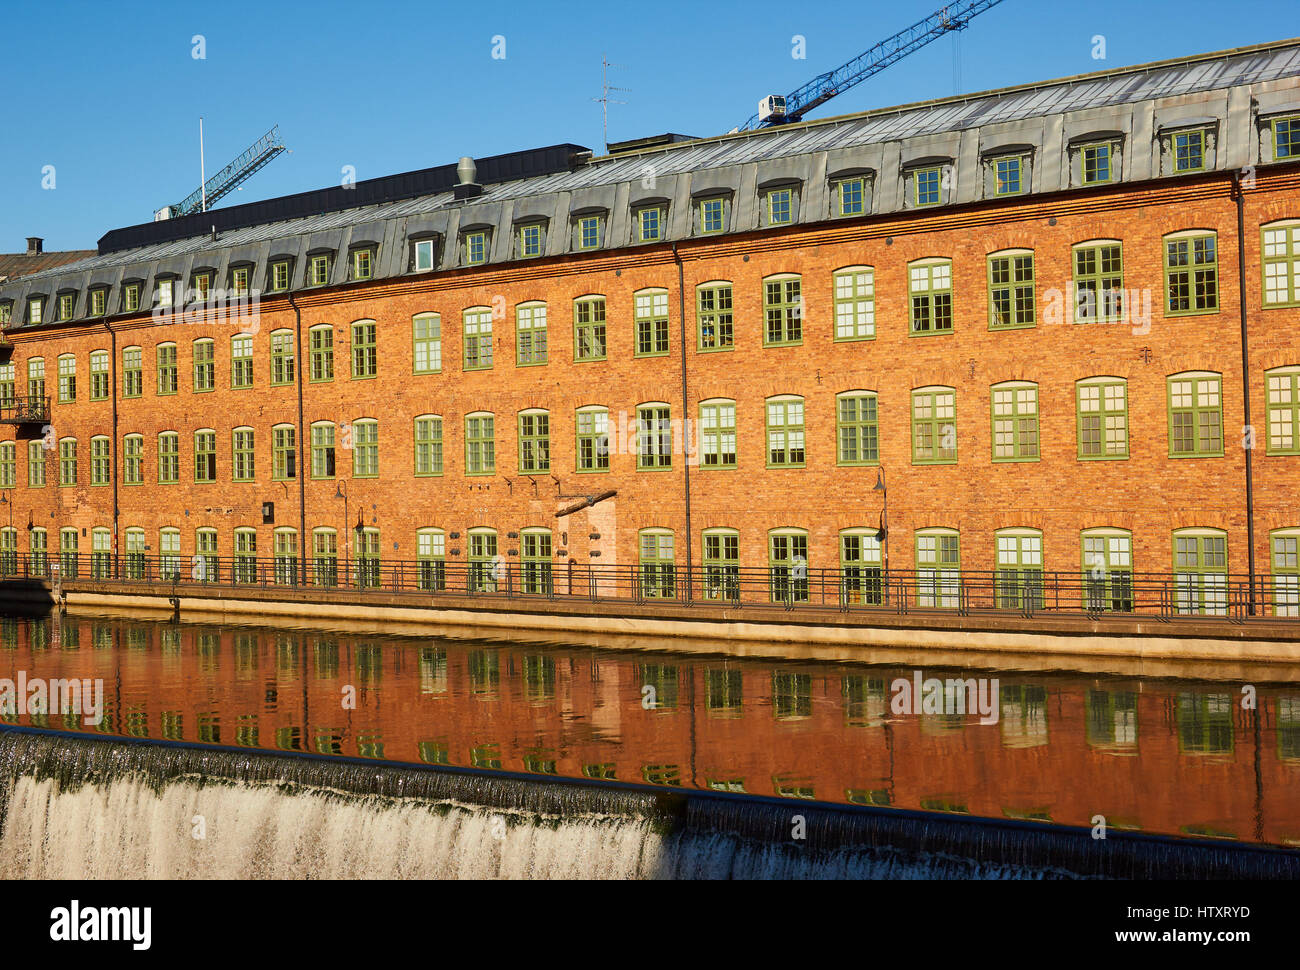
x: 76, y: 807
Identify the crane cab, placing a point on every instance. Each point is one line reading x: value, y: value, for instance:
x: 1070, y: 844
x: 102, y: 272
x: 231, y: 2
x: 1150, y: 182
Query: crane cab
x: 772, y: 108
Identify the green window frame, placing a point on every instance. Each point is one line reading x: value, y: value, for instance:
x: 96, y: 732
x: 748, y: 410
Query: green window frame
x: 851, y: 196
x: 783, y: 311
x: 718, y: 434
x: 1284, y: 559
x: 279, y: 276
x: 478, y: 338
x: 239, y: 280
x: 1014, y: 408
x: 592, y: 439
x: 1102, y: 426
x: 927, y: 186
x: 431, y: 559
x: 476, y: 248
x: 284, y: 552
x: 530, y: 239
x: 205, y: 367
x: 168, y: 375
x: 934, y: 426
x: 780, y: 207
x: 284, y: 452
x: 67, y: 365
x: 711, y: 215
x: 857, y: 428
x: 1281, y: 264
x: 480, y: 444
x: 589, y: 231
x: 1282, y: 389
x: 241, y: 361
x: 201, y: 287
x: 1191, y: 274
x: 855, y: 303
x: 323, y: 452
x: 1098, y: 282
x: 1018, y: 580
x: 1201, y: 572
x: 535, y: 562
x: 36, y: 464
x: 169, y: 458
x: 534, y: 442
x: 324, y: 557
x: 7, y: 390
x: 67, y: 305
x: 785, y: 432
x: 318, y: 270
x: 242, y: 452
x: 484, y: 568
x: 101, y: 461
x: 1188, y: 148
x: 657, y: 560
x: 98, y: 301
x: 363, y: 263
x: 245, y: 558
x: 1107, y: 570
x: 365, y: 354
x: 133, y: 459
x: 67, y: 462
x: 1097, y: 163
x: 861, y: 567
x: 721, y: 548
x: 589, y: 328
x: 320, y: 353
x: 649, y: 223
x: 426, y: 335
x: 938, y: 569
x: 787, y: 559
x: 205, y: 456
x: 654, y: 437
x: 365, y: 448
x: 1008, y: 175
x: 1286, y: 137
x: 1011, y: 290
x: 36, y: 378
x: 38, y: 546
x: 714, y: 317
x: 1195, y: 402
x: 282, y: 357
x: 131, y: 297
x: 929, y: 290
x: 428, y: 445
x: 530, y: 334
x: 650, y: 317
x: 9, y: 464
x: 36, y: 310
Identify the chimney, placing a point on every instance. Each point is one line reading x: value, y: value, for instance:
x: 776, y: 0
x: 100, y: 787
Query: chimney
x: 467, y: 172
x: 35, y: 245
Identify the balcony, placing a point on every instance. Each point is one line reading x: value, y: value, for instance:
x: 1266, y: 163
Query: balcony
x: 25, y: 410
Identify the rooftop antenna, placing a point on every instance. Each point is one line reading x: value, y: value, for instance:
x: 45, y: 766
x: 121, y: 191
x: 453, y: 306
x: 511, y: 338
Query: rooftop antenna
x: 228, y: 178
x: 605, y: 100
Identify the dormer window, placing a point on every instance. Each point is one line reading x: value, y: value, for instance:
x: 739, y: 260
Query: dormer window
x: 530, y: 240
x: 850, y: 196
x: 36, y: 309
x: 780, y: 206
x: 202, y: 287
x: 1008, y: 175
x: 1189, y: 150
x: 927, y: 184
x: 1098, y: 163
x: 711, y: 216
x: 423, y: 255
x: 163, y: 293
x: 1286, y: 138
x: 67, y: 301
x: 98, y: 301
x: 363, y: 263
x: 318, y: 270
x: 278, y: 276
x: 6, y: 313
x: 239, y: 277
x: 588, y: 232
x: 649, y: 222
x: 476, y: 247
x: 130, y: 297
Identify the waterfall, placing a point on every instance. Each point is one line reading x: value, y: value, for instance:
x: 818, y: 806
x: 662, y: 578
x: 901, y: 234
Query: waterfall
x: 77, y: 807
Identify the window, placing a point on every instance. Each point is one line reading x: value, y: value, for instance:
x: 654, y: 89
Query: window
x: 1008, y: 175
x: 534, y: 442
x: 1108, y: 570
x: 934, y: 426
x: 422, y: 255
x: 783, y: 311
x: 427, y: 333
x: 530, y: 334
x: 100, y: 461
x: 788, y: 565
x: 36, y: 379
x: 857, y: 428
x: 1103, y: 418
x: 658, y: 564
x: 476, y: 248
x: 284, y: 452
x: 851, y: 196
x: 1283, y: 390
x: 318, y: 270
x: 930, y: 289
x: 530, y: 239
x: 169, y: 554
x: 535, y: 562
x: 721, y: 564
x: 169, y: 458
x: 321, y: 353
x: 1011, y: 290
x: 718, y: 434
x: 855, y: 303
x: 861, y: 572
x: 431, y: 556
x: 35, y: 310
x: 480, y: 444
x: 205, y: 456
x: 242, y: 452
x: 428, y: 445
x: 322, y: 450
x: 68, y: 461
x: 285, y: 554
x: 98, y: 301
x: 1019, y: 578
x: 1284, y: 547
x: 362, y: 263
x: 938, y: 569
x: 365, y: 448
x: 650, y: 309
x: 654, y: 439
x: 279, y: 276
x: 1282, y: 263
x: 713, y: 311
x: 1015, y: 421
x: 164, y: 292
x: 168, y: 377
x: 589, y: 328
x: 1097, y: 161
x: 588, y: 232
x: 282, y: 357
x: 241, y: 361
x: 785, y: 433
x: 239, y: 277
x: 927, y: 186
x: 593, y: 439
x: 1098, y: 283
x: 201, y: 285
x: 1195, y: 415
x: 1201, y: 571
x: 484, y: 562
x: 36, y: 464
x: 1189, y: 150
x: 478, y: 338
x: 68, y: 552
x: 37, y: 545
x: 67, y: 379
x: 8, y: 464
x: 1286, y: 138
x: 365, y: 361
x: 325, y: 557
x: 205, y: 372
x: 1191, y: 273
x: 131, y: 297
x: 101, y: 553
x: 649, y: 223
x: 711, y: 215
x: 7, y: 384
x: 133, y: 459
x: 780, y: 206
x: 245, y: 566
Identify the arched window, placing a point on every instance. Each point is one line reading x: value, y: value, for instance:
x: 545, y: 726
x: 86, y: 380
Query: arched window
x: 592, y: 424
x: 714, y: 317
x: 530, y: 333
x: 718, y: 433
x: 534, y: 441
x: 1281, y: 257
x: 658, y: 563
x: 365, y: 448
x: 1195, y: 415
x: 1011, y: 289
x: 67, y: 378
x: 785, y: 432
x: 1102, y: 418
x: 101, y: 460
x: 485, y: 565
x: 1201, y: 571
x: 787, y: 554
x: 243, y: 452
x: 38, y: 552
x: 205, y: 365
x: 934, y: 426
x: 99, y: 375
x: 480, y: 443
x: 782, y: 310
x: 938, y: 569
x: 206, y: 564
x: 1015, y: 421
x: 101, y: 554
x: 855, y: 303
x: 325, y: 557
x: 431, y: 556
x: 589, y: 328
x: 1191, y: 272
x: 284, y: 452
x: 320, y: 351
x: 168, y: 375
x: 368, y: 561
x: 282, y: 357
x: 1098, y: 281
x: 428, y: 445
x: 1284, y: 549
x: 426, y: 332
x: 861, y: 567
x: 1283, y: 390
x: 322, y: 449
x: 9, y: 551
x: 169, y: 554
x: 857, y: 428
x: 286, y: 556
x: 721, y: 564
x: 246, y: 556
x: 1020, y: 569
x: 67, y: 461
x: 650, y: 317
x: 476, y: 324
x: 535, y: 561
x: 365, y: 359
x: 1107, y: 570
x: 929, y: 287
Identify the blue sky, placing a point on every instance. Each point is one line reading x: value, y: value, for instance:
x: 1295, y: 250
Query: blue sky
x: 110, y: 94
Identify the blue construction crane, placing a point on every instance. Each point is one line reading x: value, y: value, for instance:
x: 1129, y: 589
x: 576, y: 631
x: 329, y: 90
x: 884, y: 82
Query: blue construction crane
x: 229, y: 178
x: 778, y: 110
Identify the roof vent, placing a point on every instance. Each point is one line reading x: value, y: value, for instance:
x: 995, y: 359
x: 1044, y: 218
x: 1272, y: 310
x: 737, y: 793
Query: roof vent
x: 35, y: 245
x: 467, y: 171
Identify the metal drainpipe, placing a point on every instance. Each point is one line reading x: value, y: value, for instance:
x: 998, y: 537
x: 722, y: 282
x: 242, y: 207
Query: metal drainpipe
x: 299, y: 449
x: 112, y: 351
x: 686, y: 464
x: 1245, y: 379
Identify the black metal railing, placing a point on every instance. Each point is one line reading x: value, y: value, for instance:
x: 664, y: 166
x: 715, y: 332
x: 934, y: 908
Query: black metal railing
x: 25, y: 410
